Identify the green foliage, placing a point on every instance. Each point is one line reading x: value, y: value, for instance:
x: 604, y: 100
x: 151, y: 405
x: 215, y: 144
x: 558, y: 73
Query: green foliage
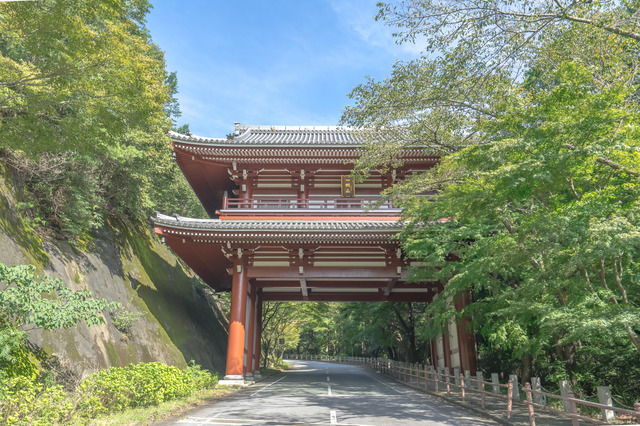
x: 24, y: 401
x: 85, y: 107
x: 279, y: 324
x: 77, y: 76
x: 16, y: 360
x: 355, y: 329
x: 139, y: 385
x: 123, y: 319
x: 45, y: 302
x: 535, y: 105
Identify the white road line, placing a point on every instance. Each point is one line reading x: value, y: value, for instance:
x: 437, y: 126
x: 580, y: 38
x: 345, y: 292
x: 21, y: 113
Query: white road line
x: 272, y: 383
x: 389, y: 386
x: 333, y: 417
x: 225, y: 421
x: 329, y: 391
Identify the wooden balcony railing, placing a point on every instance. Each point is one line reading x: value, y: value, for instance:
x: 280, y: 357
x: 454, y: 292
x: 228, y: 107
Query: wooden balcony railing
x: 311, y: 204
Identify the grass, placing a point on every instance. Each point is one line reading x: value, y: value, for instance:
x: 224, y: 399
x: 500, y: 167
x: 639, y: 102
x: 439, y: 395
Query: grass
x: 168, y: 409
x: 266, y: 372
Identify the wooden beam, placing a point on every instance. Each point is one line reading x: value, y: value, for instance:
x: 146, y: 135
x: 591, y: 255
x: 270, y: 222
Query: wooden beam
x: 322, y: 272
x: 347, y: 297
x: 390, y: 286
x: 305, y: 291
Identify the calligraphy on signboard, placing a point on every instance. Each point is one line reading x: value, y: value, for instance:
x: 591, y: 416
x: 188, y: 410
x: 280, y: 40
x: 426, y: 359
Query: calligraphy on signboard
x: 348, y: 186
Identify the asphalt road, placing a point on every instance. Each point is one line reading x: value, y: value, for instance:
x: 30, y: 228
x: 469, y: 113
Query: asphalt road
x: 324, y: 393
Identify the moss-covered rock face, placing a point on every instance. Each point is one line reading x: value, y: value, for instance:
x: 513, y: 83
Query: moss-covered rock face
x: 178, y: 318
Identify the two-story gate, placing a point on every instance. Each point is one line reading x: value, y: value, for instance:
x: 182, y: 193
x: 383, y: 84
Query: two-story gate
x: 288, y: 224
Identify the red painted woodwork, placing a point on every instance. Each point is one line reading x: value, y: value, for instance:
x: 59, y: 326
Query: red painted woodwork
x: 305, y: 203
x: 251, y: 331
x: 466, y: 342
x: 258, y: 340
x: 261, y: 196
x: 235, y: 348
x: 446, y: 346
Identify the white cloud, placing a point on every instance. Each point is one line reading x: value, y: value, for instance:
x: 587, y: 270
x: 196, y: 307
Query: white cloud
x: 358, y: 16
x: 214, y: 99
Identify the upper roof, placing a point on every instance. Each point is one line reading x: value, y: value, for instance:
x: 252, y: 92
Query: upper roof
x: 188, y: 223
x: 280, y: 135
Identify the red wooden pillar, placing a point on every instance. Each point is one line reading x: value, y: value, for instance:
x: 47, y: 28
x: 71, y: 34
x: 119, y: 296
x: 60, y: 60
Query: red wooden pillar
x: 246, y: 190
x: 466, y: 344
x: 248, y: 368
x: 303, y: 190
x: 258, y: 340
x: 235, y: 347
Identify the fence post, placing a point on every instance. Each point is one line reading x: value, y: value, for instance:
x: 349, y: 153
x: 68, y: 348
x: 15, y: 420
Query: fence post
x: 509, y: 398
x: 536, y: 386
x: 467, y: 377
x: 573, y: 409
x: 565, y: 390
x: 532, y: 416
x: 426, y: 378
x: 604, y: 398
x: 446, y: 372
x: 456, y: 376
x: 410, y: 374
x: 495, y: 380
x: 516, y: 387
x: 462, y: 386
x: 480, y: 378
x: 436, y: 379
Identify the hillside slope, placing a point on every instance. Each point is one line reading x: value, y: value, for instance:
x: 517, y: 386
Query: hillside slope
x: 179, y: 317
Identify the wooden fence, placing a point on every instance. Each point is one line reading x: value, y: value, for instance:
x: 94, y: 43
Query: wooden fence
x: 459, y: 385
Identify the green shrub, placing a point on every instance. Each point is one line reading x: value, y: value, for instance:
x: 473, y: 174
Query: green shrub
x: 16, y: 359
x: 139, y: 385
x: 123, y: 319
x: 25, y: 401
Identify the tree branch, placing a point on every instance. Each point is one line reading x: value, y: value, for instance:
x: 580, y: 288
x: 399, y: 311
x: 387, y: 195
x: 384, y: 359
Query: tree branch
x: 608, y: 162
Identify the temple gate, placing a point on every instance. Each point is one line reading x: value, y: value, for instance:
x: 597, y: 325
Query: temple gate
x: 288, y: 224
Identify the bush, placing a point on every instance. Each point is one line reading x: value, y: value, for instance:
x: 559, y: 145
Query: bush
x: 139, y: 385
x: 123, y: 319
x: 25, y: 401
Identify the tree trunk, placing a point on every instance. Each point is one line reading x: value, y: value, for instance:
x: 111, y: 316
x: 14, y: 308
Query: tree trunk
x: 527, y: 361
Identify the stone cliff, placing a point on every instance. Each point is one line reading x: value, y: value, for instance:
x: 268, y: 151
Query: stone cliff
x: 168, y: 314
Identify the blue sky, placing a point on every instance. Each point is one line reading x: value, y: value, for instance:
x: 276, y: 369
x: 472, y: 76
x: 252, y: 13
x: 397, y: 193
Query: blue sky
x: 272, y: 62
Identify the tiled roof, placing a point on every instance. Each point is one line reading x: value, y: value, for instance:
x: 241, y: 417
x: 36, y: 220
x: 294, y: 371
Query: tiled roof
x: 193, y: 138
x: 281, y: 135
x: 275, y: 225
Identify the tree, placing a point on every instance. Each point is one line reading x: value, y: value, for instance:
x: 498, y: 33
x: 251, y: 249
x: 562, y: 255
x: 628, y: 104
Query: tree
x: 391, y: 328
x: 476, y: 51
x: 85, y: 106
x: 535, y: 106
x: 280, y: 331
x: 77, y: 75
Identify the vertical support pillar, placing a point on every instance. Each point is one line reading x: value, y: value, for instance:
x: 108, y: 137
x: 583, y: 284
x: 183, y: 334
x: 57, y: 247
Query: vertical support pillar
x: 248, y: 368
x: 235, y: 347
x: 447, y: 352
x: 303, y: 190
x: 434, y: 353
x: 466, y: 344
x: 258, y: 337
x: 246, y: 189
